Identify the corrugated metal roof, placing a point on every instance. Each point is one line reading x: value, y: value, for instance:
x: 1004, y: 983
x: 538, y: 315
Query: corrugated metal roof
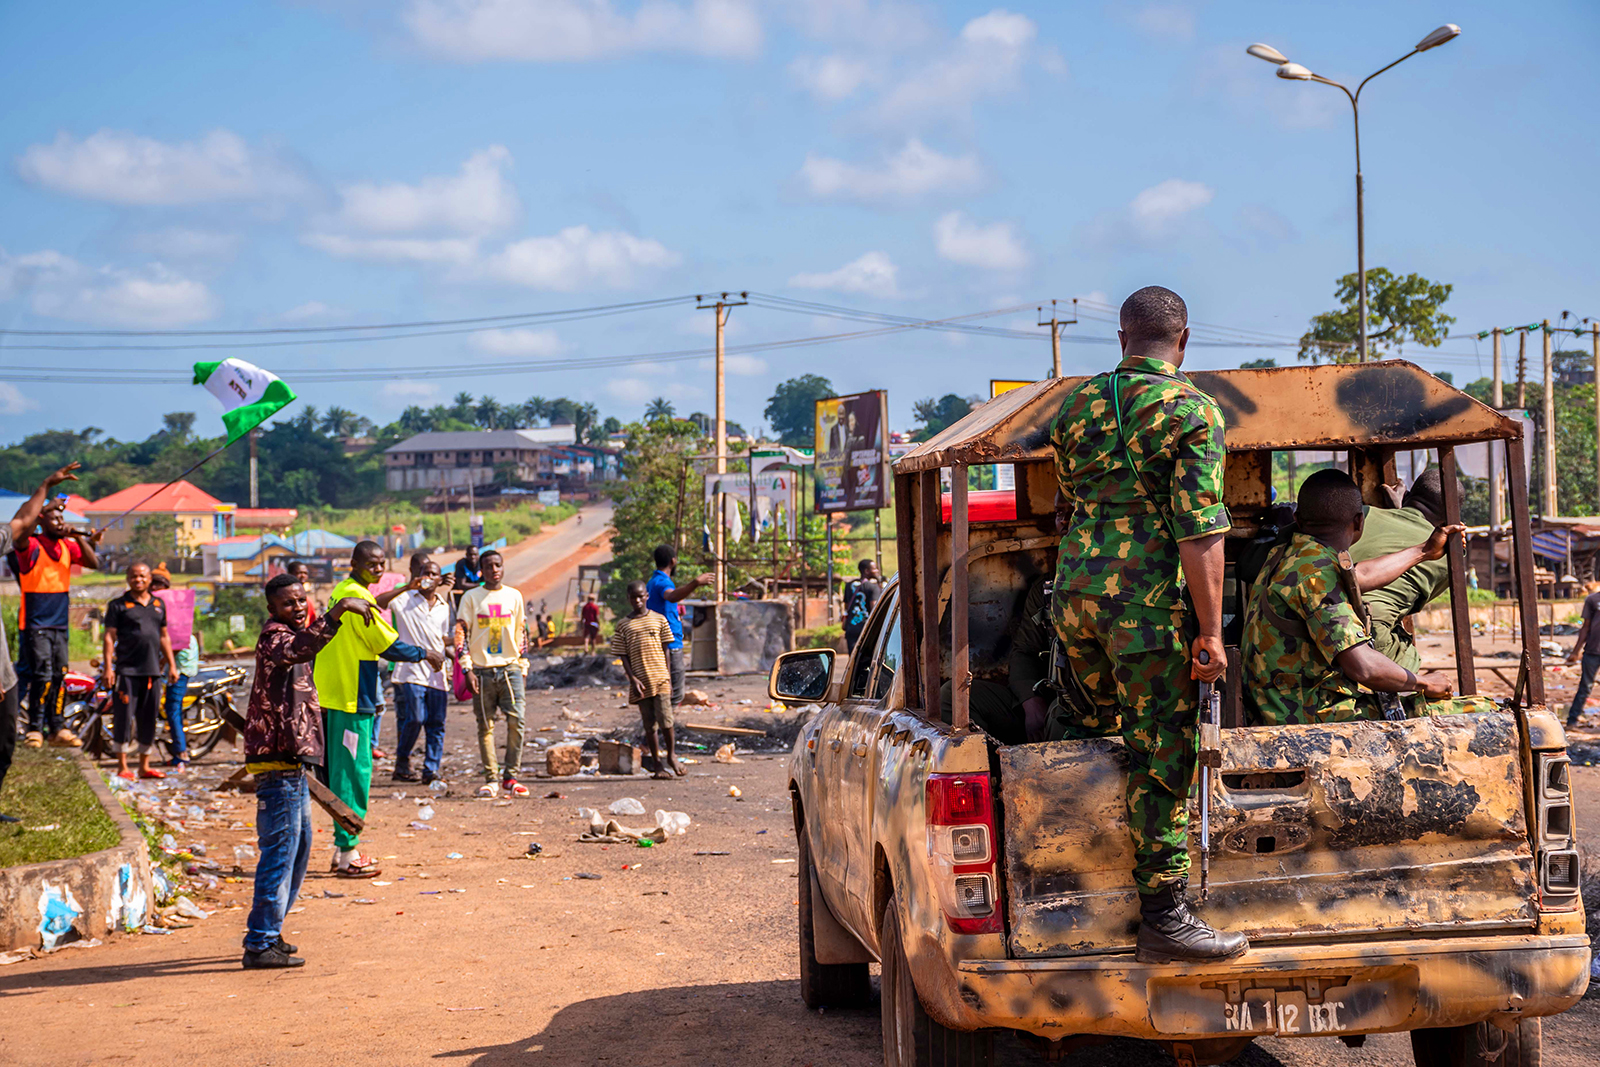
x: 476, y: 440
x: 1394, y: 402
x: 179, y: 496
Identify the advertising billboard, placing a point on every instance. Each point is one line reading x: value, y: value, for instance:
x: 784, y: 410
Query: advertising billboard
x: 852, y: 458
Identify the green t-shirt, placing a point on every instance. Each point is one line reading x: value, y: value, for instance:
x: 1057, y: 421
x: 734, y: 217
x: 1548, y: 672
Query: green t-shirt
x: 1391, y: 530
x: 346, y: 670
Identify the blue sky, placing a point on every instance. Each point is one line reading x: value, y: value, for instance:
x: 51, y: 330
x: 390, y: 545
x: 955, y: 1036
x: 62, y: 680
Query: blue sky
x: 250, y: 165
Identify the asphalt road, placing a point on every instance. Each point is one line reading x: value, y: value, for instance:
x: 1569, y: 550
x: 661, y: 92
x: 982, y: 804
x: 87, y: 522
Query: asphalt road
x: 494, y: 959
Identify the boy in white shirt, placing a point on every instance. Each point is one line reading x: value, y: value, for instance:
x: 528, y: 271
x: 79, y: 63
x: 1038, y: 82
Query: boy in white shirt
x: 421, y: 695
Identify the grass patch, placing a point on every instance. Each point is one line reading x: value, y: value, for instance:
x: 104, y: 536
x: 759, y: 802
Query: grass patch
x: 44, y: 788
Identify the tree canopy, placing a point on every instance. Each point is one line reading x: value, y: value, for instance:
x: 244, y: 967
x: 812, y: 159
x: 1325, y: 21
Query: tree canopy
x: 936, y: 415
x: 792, y: 409
x: 1399, y: 310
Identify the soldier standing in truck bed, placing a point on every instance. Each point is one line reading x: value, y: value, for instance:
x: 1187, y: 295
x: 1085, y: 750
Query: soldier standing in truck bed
x: 1139, y: 453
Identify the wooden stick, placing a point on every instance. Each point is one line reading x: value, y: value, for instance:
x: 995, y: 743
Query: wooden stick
x: 740, y: 730
x: 1456, y: 554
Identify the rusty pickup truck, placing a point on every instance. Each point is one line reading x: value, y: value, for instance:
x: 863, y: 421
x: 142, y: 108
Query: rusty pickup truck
x: 1419, y: 875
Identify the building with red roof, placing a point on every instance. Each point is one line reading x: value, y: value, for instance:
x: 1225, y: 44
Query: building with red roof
x: 198, y: 517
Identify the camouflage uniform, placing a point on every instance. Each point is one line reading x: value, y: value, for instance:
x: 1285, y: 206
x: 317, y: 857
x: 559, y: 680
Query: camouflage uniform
x: 1291, y: 677
x: 1117, y: 601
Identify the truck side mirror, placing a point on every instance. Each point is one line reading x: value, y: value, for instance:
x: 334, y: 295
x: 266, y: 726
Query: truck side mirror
x: 801, y: 677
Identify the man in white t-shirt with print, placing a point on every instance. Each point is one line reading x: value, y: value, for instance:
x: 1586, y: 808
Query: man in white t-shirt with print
x: 421, y: 695
x: 490, y: 628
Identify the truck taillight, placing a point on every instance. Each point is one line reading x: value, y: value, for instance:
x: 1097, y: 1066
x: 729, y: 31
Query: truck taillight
x: 1558, y: 852
x: 961, y: 843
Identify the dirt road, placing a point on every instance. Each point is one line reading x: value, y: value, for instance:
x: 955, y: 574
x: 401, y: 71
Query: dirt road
x: 493, y: 959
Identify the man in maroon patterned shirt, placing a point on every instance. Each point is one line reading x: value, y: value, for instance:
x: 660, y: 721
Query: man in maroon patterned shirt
x: 282, y: 737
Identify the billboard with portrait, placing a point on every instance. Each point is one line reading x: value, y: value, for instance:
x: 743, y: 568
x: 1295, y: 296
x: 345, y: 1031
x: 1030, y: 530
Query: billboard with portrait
x: 852, y: 457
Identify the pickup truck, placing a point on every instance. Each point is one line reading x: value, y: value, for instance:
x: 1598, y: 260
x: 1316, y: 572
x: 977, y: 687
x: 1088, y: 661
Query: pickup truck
x: 1417, y: 876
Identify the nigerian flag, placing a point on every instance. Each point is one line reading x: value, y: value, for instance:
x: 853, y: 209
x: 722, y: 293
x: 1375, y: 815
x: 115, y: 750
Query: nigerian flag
x: 249, y: 394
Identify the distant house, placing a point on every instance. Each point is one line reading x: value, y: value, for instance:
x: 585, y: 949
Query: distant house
x: 230, y: 559
x: 320, y: 544
x: 269, y: 520
x: 200, y: 517
x: 454, y: 460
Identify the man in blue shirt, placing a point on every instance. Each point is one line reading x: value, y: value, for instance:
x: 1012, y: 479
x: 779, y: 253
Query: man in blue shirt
x: 662, y: 596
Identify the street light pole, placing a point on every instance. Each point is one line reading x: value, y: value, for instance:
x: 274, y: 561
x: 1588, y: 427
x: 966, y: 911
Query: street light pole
x: 1296, y: 72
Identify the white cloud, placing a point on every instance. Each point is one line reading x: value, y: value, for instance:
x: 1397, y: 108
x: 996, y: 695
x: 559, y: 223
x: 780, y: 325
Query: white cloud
x: 914, y: 171
x: 519, y: 342
x: 873, y: 275
x: 448, y: 251
x: 578, y: 258
x: 14, y: 402
x: 882, y: 24
x: 60, y: 287
x: 410, y: 389
x: 478, y: 200
x: 993, y: 247
x: 181, y: 242
x: 1166, y: 20
x: 1155, y: 210
x: 830, y: 78
x: 986, y: 60
x: 570, y: 30
x: 633, y: 390
x: 124, y: 168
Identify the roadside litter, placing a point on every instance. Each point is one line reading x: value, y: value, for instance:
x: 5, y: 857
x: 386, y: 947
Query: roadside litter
x: 725, y: 754
x: 626, y: 806
x: 604, y: 831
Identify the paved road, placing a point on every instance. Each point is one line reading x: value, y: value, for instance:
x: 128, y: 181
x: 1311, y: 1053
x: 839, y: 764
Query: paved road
x: 528, y: 562
x: 492, y: 959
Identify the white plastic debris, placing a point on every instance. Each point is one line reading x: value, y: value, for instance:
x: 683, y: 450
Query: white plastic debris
x: 189, y: 909
x: 425, y: 812
x: 626, y: 806
x: 673, y: 822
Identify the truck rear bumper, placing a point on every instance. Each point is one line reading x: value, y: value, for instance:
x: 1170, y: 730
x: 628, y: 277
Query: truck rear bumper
x: 1299, y: 990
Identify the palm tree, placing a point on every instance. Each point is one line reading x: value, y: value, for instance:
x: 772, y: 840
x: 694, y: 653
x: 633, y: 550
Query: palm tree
x: 534, y: 410
x: 438, y: 415
x: 583, y: 417
x: 461, y: 407
x: 487, y: 413
x: 561, y: 410
x: 414, y: 420
x: 659, y: 408
x: 340, y: 422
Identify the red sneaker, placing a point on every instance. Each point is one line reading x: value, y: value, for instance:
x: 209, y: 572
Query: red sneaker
x: 513, y: 787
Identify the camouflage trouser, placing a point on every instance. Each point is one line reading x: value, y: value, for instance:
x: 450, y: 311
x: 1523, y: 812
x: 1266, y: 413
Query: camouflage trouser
x: 1135, y: 661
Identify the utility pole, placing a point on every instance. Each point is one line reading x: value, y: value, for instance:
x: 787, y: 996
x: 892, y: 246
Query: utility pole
x: 1594, y: 328
x: 255, y: 493
x: 1498, y: 396
x: 1549, y: 425
x: 723, y: 306
x: 1055, y: 322
x: 1522, y: 369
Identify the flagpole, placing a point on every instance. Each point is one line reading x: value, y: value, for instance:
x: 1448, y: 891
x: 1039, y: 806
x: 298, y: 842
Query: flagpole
x: 175, y: 481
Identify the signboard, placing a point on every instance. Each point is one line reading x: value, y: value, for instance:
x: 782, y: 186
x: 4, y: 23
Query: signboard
x: 852, y: 458
x: 549, y: 497
x: 998, y: 386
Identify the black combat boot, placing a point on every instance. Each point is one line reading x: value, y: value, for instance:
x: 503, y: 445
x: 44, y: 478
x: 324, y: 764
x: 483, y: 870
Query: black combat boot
x: 1170, y: 933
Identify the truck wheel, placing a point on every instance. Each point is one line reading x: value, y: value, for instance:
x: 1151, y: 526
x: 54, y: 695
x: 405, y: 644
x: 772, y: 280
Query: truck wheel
x: 1480, y: 1045
x: 830, y: 985
x: 910, y: 1037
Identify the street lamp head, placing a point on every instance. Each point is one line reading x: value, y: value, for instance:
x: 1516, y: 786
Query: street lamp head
x: 1268, y: 53
x: 1294, y: 72
x: 1448, y: 32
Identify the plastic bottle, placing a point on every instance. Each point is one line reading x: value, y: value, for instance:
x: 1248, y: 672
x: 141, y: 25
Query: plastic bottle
x: 673, y: 822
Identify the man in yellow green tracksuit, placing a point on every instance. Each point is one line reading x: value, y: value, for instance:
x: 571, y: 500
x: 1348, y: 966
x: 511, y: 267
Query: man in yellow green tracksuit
x: 349, y: 689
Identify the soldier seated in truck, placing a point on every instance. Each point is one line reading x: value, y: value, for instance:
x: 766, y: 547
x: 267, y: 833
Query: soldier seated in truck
x: 1307, y: 649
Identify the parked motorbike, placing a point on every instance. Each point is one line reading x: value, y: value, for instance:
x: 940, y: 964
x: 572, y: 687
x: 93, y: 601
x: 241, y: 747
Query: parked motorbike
x: 209, y: 697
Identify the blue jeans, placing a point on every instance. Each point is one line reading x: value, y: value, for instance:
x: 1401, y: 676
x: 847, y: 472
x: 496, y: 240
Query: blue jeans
x: 175, y: 692
x: 419, y: 709
x: 1591, y: 666
x: 283, y: 835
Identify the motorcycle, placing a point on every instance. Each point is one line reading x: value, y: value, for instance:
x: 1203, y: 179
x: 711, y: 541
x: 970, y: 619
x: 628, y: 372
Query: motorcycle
x: 206, y: 704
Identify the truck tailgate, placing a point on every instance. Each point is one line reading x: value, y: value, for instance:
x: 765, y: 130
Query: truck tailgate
x: 1317, y: 831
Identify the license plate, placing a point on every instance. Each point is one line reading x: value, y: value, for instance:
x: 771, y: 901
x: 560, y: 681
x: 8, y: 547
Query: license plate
x: 1288, y: 1007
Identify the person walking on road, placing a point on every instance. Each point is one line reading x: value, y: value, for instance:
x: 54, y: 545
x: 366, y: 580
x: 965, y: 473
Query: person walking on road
x: 346, y: 677
x: 1587, y: 650
x: 421, y: 695
x: 137, y: 652
x: 661, y: 596
x: 466, y: 576
x: 43, y: 566
x: 590, y: 617
x: 1139, y: 452
x: 10, y: 533
x: 860, y: 597
x: 185, y: 641
x: 490, y: 627
x: 283, y: 740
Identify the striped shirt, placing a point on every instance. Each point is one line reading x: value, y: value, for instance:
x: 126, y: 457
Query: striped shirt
x: 641, y: 641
